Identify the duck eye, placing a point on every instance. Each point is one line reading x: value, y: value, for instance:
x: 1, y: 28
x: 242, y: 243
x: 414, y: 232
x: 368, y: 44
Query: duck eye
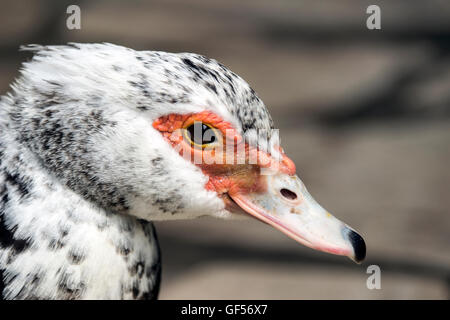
x: 200, y: 134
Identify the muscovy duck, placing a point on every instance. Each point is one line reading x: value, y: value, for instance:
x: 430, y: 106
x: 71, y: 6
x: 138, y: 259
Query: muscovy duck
x: 98, y: 140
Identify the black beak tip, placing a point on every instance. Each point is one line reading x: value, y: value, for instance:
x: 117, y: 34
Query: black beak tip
x: 359, y: 246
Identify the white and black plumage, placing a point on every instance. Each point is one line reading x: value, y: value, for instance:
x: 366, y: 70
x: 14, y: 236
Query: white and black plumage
x: 84, y: 169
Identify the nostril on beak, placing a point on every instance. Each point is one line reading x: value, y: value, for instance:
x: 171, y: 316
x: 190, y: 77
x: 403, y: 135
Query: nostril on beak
x: 359, y: 246
x: 288, y: 194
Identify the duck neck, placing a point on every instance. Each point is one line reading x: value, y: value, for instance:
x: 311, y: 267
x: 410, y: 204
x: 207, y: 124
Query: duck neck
x: 55, y: 244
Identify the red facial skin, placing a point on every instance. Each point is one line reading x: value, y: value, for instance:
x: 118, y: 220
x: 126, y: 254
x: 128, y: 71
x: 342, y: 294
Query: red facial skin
x: 227, y: 175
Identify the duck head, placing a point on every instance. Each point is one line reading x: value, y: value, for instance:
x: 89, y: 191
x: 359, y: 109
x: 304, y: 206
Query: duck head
x: 165, y: 136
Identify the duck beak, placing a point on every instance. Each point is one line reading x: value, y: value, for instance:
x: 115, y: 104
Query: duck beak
x: 286, y: 205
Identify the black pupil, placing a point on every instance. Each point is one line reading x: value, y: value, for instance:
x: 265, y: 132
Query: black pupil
x: 200, y: 133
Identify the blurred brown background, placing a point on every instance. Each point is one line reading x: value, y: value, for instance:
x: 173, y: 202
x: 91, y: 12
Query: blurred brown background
x: 364, y: 114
